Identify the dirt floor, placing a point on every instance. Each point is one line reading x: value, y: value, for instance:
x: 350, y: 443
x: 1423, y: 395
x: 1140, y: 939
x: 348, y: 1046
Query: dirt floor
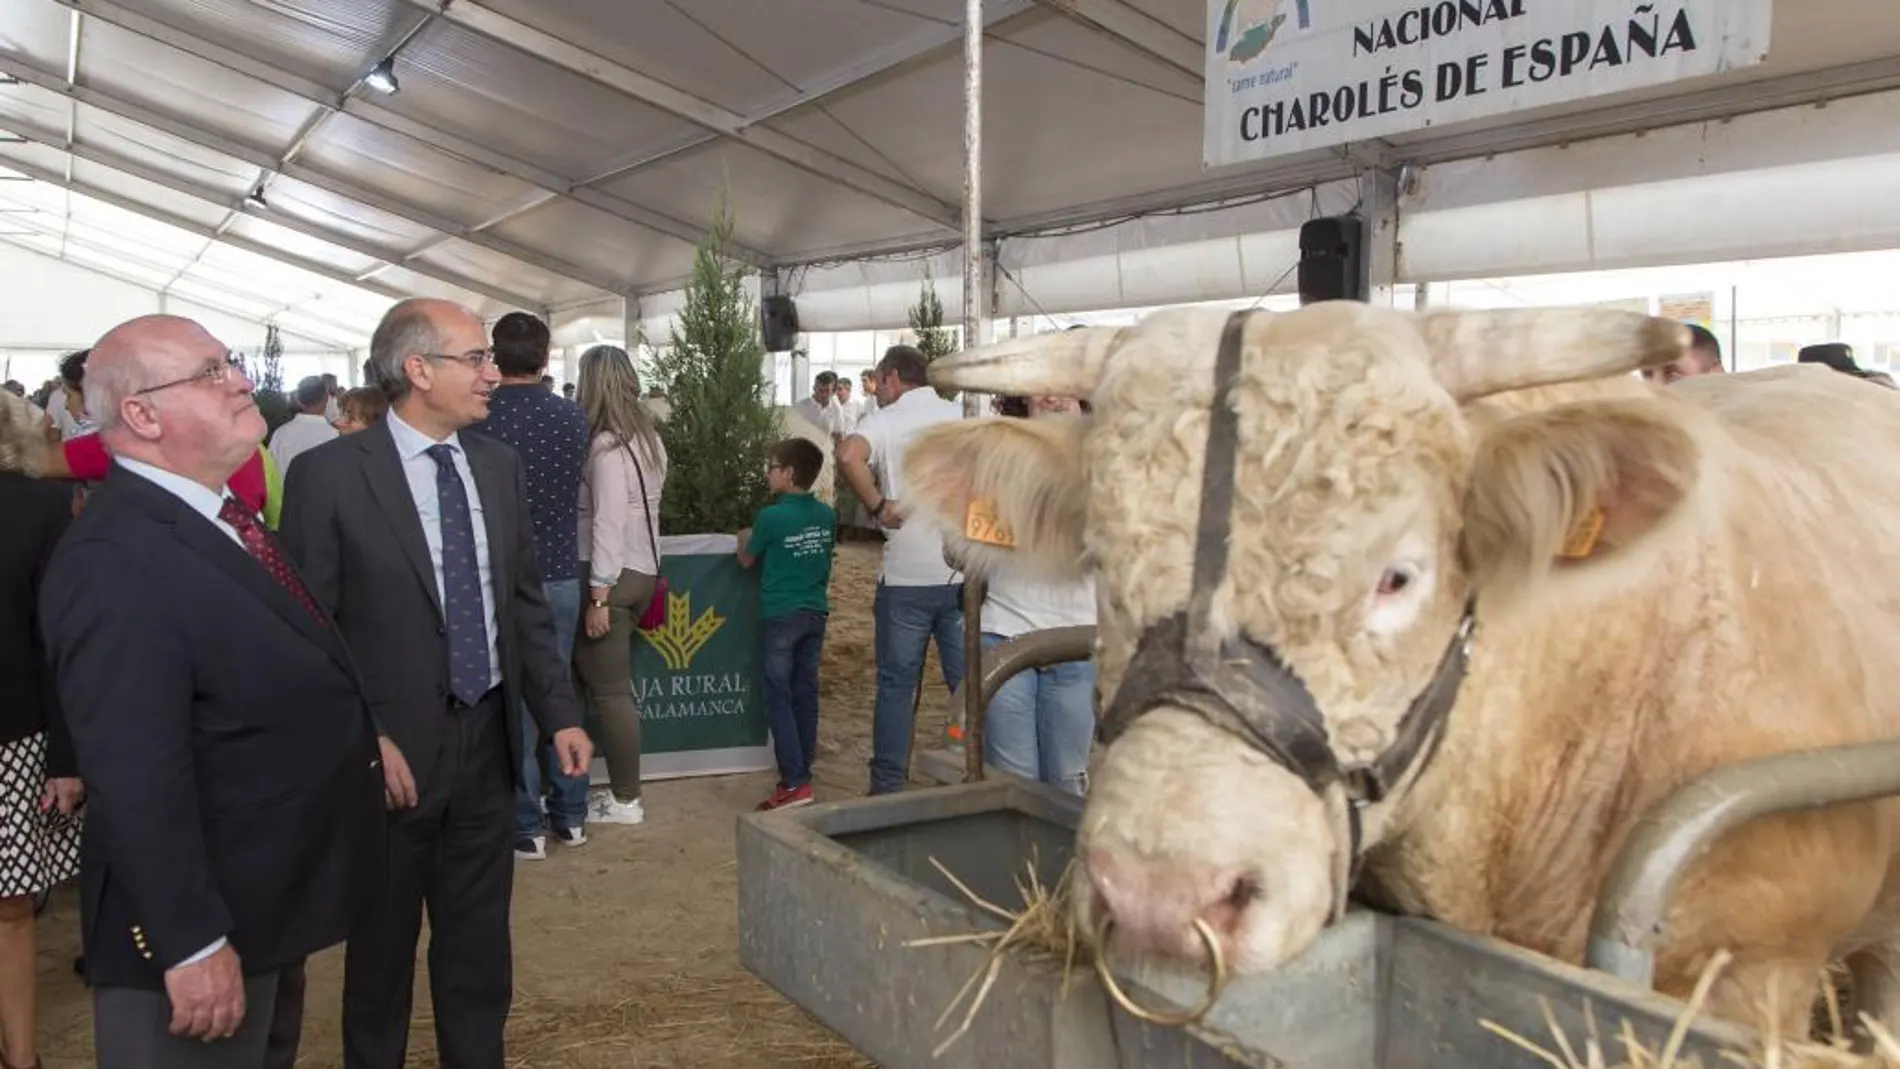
x: 626, y: 949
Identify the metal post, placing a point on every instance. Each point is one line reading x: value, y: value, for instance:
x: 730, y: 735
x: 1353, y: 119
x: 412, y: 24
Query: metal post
x: 976, y: 329
x: 1379, y: 200
x: 1734, y: 328
x: 974, y: 704
x: 976, y: 332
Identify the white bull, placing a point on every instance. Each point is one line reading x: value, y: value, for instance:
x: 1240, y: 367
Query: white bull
x: 1665, y: 581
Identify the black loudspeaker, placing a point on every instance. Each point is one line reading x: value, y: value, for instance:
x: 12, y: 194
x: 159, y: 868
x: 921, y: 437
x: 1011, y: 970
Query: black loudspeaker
x: 1332, y: 260
x: 778, y: 322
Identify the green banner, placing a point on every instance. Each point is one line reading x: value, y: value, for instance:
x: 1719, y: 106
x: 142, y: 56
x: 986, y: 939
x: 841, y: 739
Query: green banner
x: 697, y: 678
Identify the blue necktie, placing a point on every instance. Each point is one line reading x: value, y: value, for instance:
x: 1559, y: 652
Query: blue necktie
x: 461, y: 583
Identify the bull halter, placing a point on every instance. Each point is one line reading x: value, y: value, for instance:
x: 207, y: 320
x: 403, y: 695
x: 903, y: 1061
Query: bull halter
x: 1244, y: 687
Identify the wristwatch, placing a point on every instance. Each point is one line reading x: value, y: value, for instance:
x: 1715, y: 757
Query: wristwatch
x: 596, y: 603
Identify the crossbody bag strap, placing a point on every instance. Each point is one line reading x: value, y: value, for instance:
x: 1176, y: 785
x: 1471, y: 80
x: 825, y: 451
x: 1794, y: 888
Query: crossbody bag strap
x: 645, y: 505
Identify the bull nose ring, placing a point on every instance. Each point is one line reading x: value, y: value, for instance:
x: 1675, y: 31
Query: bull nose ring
x: 1217, y: 981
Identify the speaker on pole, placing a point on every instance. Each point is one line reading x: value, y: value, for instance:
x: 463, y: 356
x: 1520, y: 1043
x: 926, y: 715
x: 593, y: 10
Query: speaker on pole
x: 1332, y: 259
x: 778, y: 324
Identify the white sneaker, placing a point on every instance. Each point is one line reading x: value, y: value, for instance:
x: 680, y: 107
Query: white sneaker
x: 607, y: 809
x: 531, y: 847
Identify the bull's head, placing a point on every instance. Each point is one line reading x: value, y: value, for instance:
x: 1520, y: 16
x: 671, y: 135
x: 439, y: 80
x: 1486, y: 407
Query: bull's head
x: 1370, y: 506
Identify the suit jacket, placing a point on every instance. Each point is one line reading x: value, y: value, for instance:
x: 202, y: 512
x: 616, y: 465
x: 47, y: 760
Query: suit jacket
x: 37, y: 513
x: 351, y: 523
x: 233, y: 786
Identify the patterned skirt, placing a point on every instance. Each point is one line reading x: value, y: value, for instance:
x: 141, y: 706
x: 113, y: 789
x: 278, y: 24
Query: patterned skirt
x: 38, y: 850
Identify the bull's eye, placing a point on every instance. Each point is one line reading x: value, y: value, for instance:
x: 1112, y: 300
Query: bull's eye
x: 1395, y: 580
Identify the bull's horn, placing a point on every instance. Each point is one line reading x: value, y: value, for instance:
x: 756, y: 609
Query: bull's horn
x: 1065, y: 363
x: 1476, y: 354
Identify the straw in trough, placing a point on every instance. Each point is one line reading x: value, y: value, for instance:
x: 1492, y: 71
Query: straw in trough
x: 1776, y: 1051
x: 1043, y: 926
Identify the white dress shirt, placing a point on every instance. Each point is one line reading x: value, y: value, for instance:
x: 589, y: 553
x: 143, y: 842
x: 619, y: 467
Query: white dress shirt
x: 824, y: 417
x: 304, y: 431
x: 913, y: 553
x: 412, y: 446
x: 205, y: 502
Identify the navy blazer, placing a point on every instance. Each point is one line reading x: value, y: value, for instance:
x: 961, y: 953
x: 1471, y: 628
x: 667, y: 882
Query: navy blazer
x: 231, y: 768
x: 351, y: 523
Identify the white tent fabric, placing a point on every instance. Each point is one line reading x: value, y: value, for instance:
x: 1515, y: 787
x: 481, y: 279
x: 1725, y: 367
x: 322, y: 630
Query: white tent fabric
x: 556, y: 156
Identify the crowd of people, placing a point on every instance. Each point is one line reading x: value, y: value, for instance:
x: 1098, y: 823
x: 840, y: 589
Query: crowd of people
x: 268, y: 692
x: 219, y: 705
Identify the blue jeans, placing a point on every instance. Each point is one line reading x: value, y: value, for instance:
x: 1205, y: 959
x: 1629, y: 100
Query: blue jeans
x: 1041, y: 722
x: 567, y: 795
x: 906, y: 617
x: 792, y: 645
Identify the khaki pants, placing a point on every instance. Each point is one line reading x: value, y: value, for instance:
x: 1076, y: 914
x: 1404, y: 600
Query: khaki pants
x: 604, y: 668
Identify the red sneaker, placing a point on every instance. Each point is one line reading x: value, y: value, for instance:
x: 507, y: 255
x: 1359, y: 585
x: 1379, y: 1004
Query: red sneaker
x: 786, y: 798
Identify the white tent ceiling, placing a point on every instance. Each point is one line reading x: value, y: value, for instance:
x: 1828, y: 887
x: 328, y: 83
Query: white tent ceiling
x: 547, y: 155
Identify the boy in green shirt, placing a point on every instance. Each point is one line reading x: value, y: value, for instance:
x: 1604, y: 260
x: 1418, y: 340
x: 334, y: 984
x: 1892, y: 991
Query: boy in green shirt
x: 791, y: 541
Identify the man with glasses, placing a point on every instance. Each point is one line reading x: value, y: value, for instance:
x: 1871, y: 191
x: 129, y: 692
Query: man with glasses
x: 234, y: 819
x: 418, y: 538
x: 85, y: 458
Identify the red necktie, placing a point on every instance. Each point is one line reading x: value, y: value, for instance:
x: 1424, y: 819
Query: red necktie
x: 259, y: 544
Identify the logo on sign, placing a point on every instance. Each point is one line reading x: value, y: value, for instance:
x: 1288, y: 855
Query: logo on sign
x: 1248, y: 27
x: 679, y: 641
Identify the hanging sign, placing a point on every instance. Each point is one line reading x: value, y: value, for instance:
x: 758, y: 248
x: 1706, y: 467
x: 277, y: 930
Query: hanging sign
x: 1697, y: 308
x: 1285, y: 76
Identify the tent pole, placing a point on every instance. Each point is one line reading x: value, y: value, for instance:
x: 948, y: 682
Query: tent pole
x: 976, y: 332
x: 975, y: 316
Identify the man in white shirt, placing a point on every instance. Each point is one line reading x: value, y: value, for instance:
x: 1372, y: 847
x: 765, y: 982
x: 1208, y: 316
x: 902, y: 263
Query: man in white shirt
x: 917, y: 594
x: 308, y: 428
x: 849, y: 410
x: 820, y: 409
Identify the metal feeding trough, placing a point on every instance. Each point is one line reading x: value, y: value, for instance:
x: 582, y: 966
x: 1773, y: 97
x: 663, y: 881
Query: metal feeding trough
x: 830, y: 894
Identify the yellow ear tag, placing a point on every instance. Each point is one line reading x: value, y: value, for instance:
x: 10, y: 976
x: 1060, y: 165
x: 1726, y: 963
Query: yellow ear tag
x: 1582, y: 541
x: 981, y: 524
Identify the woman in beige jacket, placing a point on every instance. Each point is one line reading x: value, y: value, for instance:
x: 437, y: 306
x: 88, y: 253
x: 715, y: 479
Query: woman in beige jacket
x: 619, y: 544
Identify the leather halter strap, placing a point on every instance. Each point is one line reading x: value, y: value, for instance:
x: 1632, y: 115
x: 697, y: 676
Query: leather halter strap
x: 1244, y: 687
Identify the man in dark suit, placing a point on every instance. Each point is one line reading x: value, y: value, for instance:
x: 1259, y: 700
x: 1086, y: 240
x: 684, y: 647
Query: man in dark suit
x: 235, y: 818
x: 418, y: 539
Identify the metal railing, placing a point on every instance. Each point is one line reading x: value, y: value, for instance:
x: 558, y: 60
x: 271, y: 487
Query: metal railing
x: 1628, y: 921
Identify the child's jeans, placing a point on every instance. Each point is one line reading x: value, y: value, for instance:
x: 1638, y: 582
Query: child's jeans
x: 793, y: 643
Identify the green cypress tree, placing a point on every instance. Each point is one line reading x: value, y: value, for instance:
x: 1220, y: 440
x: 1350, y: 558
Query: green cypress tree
x: 722, y: 422
x: 269, y: 394
x: 933, y: 338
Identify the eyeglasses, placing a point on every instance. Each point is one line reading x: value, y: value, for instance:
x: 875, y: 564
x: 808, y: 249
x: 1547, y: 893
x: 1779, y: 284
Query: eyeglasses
x: 476, y: 359
x: 217, y: 374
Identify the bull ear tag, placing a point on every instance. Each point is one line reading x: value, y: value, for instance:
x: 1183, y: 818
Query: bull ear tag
x: 982, y: 525
x: 1582, y: 540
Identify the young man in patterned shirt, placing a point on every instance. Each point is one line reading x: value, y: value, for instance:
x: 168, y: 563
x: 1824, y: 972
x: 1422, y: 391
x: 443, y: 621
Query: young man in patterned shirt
x: 551, y: 435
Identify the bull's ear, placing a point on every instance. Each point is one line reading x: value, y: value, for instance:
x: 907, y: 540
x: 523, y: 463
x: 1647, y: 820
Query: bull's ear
x: 1578, y: 489
x: 1008, y: 494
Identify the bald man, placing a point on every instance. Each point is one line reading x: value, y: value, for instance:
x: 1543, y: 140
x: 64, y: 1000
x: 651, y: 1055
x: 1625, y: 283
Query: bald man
x: 420, y: 540
x: 235, y: 799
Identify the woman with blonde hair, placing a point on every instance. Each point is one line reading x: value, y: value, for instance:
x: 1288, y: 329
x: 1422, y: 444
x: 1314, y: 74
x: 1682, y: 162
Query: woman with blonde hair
x: 620, y: 555
x: 40, y: 792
